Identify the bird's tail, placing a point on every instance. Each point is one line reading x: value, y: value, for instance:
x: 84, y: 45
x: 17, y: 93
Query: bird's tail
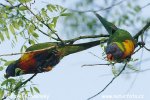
x: 110, y: 27
x: 69, y: 49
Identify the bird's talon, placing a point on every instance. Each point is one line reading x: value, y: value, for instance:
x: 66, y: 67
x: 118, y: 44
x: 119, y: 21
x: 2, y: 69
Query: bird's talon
x: 47, y: 68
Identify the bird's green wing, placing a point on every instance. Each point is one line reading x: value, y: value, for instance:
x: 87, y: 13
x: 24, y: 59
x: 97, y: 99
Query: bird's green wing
x: 40, y: 46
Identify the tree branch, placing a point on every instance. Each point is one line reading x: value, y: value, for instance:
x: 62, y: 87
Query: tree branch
x: 109, y: 82
x: 11, y: 7
x: 146, y: 48
x: 142, y: 31
x: 16, y: 88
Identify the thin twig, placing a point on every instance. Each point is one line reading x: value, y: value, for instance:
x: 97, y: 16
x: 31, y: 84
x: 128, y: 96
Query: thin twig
x: 94, y: 65
x: 146, y: 48
x: 11, y: 7
x: 145, y: 6
x: 102, y: 9
x: 109, y: 83
x: 136, y: 51
x: 133, y: 72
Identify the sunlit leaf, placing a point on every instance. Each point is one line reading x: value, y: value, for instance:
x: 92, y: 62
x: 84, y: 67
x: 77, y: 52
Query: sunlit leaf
x: 1, y: 68
x: 31, y: 90
x: 12, y: 29
x: 36, y: 89
x: 65, y: 14
x: 1, y: 36
x: 7, y: 34
x: 1, y: 93
x: 22, y: 8
x: 24, y: 1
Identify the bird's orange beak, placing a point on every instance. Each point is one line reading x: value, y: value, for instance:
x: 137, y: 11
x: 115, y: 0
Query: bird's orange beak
x: 110, y: 57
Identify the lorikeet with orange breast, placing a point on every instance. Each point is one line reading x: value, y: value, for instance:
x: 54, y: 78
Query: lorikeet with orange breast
x: 120, y: 45
x: 44, y: 57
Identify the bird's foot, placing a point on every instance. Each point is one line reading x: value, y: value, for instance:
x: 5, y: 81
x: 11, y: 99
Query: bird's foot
x: 47, y: 68
x: 141, y: 44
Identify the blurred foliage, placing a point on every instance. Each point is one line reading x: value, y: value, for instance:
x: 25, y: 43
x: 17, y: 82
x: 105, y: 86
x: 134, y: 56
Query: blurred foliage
x: 19, y: 20
x: 123, y: 13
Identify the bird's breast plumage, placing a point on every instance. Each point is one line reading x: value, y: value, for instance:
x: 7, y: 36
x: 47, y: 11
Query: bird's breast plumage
x: 129, y: 48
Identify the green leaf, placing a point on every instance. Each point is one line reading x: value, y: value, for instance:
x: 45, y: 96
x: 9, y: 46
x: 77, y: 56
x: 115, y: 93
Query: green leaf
x: 18, y: 84
x: 12, y: 81
x: 25, y: 91
x: 44, y: 12
x: 8, y: 62
x: 51, y: 25
x: 16, y: 25
x: 31, y: 42
x: 35, y: 35
x: 125, y: 17
x: 24, y: 1
x: 4, y: 15
x: 55, y: 21
x: 3, y: 60
x: 31, y: 29
x: 65, y: 14
x: 2, y: 21
x: 20, y: 23
x: 36, y: 89
x: 132, y: 67
x: 31, y: 90
x: 51, y: 7
x: 1, y: 93
x: 63, y: 10
x: 7, y: 34
x: 22, y: 8
x: 114, y: 71
x: 1, y: 36
x: 12, y: 29
x: 137, y: 8
x: 1, y: 68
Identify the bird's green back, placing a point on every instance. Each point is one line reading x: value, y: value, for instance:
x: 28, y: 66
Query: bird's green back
x: 120, y: 36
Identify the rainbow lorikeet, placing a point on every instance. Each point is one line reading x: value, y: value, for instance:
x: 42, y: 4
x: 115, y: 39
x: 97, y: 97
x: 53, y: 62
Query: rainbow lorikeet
x: 120, y: 45
x: 44, y: 57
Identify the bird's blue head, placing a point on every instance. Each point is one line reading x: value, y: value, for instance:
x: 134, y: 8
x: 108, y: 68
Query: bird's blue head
x: 113, y: 52
x: 10, y: 70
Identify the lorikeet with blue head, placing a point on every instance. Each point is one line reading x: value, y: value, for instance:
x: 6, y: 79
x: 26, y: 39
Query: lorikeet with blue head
x: 43, y: 57
x: 120, y: 45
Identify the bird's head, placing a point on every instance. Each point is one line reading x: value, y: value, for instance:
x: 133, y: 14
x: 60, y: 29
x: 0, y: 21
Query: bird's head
x: 10, y: 71
x: 113, y: 52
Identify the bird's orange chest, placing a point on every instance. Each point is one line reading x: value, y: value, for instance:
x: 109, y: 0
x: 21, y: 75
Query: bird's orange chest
x: 129, y: 48
x: 28, y: 61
